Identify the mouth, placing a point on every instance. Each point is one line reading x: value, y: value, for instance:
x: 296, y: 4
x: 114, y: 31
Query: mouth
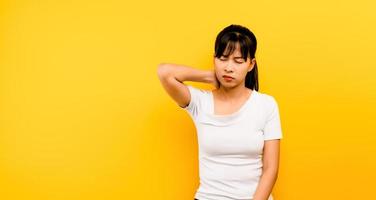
x: 227, y: 77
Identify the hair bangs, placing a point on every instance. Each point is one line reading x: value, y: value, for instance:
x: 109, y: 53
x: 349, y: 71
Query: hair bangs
x: 228, y: 43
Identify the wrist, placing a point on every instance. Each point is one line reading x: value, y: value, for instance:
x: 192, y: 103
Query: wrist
x: 209, y: 77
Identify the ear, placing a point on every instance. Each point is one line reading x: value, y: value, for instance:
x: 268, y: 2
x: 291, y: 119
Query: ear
x: 252, y: 64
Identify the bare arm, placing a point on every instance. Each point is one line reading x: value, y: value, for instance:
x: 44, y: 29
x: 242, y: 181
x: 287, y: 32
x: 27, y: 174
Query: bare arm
x: 270, y: 170
x: 172, y: 77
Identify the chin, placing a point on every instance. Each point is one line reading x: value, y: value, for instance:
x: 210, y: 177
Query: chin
x: 229, y: 85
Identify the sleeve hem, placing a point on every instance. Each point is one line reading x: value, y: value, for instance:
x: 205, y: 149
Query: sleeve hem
x: 273, y: 138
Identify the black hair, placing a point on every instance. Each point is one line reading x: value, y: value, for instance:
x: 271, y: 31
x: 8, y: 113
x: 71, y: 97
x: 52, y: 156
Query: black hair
x: 228, y: 38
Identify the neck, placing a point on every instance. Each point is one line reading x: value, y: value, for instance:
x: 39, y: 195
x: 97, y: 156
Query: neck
x: 232, y: 93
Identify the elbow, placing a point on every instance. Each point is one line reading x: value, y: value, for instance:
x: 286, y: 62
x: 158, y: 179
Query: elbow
x: 163, y: 70
x: 270, y: 174
x: 272, y: 171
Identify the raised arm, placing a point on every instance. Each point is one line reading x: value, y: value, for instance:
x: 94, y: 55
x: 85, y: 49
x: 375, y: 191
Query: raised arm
x: 172, y: 77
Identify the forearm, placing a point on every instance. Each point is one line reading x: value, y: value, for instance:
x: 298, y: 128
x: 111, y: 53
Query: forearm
x: 266, y: 183
x: 185, y: 73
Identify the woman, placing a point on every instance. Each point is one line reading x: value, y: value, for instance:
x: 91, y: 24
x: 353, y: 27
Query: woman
x: 238, y: 128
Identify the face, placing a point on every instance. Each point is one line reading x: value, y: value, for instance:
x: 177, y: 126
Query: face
x: 233, y: 66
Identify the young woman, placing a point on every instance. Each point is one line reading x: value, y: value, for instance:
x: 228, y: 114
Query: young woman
x: 238, y: 127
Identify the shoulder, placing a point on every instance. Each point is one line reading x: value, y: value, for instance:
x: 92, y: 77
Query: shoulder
x: 267, y: 101
x: 198, y: 100
x: 197, y: 91
x: 198, y: 95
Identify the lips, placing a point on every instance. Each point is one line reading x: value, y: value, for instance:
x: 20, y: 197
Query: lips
x: 225, y: 76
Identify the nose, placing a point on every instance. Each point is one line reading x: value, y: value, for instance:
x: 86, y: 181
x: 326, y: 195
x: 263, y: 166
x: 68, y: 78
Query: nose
x: 228, y: 68
x: 228, y: 71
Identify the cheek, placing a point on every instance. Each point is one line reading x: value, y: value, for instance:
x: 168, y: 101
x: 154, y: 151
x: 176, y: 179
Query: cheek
x: 244, y: 68
x: 218, y: 65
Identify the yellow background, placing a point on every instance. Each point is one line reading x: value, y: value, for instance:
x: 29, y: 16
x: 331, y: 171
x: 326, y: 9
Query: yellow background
x: 83, y: 115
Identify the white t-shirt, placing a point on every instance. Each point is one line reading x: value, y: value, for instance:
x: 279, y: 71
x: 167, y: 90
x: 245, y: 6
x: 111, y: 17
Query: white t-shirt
x: 231, y: 146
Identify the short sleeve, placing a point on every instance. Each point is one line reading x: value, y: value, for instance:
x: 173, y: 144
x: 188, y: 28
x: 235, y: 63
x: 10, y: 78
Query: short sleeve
x: 196, y: 95
x: 272, y: 128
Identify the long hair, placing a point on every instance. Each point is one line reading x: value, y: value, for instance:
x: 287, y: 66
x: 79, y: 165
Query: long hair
x: 231, y: 35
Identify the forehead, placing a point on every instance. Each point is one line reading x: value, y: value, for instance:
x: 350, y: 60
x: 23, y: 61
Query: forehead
x: 234, y: 48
